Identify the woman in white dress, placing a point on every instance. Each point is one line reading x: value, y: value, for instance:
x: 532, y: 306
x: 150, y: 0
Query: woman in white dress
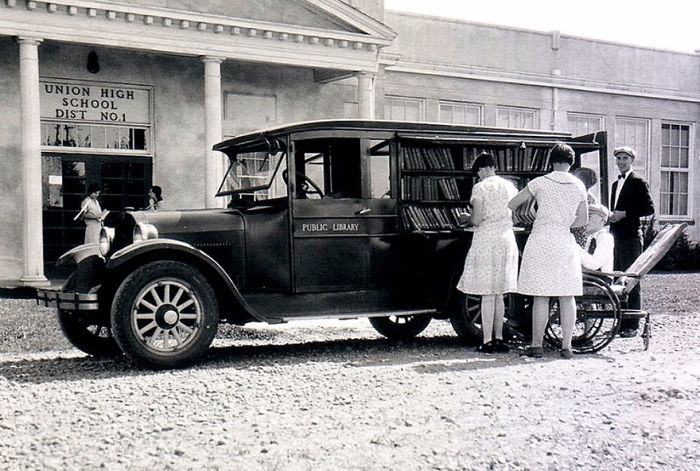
x: 155, y: 199
x: 491, y: 266
x: 551, y: 265
x: 91, y: 213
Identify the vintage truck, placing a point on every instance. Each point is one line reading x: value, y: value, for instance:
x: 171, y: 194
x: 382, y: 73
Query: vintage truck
x: 323, y: 219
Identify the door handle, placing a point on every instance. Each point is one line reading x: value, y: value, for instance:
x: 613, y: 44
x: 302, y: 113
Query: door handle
x: 363, y: 211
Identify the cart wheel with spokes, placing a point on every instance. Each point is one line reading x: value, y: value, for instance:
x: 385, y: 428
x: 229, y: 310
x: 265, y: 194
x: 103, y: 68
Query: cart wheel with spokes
x: 400, y: 327
x: 165, y: 315
x: 598, y: 317
x: 89, y: 332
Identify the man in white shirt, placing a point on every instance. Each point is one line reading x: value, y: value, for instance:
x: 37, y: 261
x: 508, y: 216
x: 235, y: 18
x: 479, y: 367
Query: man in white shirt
x: 599, y: 252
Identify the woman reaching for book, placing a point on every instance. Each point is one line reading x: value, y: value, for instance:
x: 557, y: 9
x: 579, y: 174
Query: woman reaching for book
x: 551, y: 265
x: 491, y: 266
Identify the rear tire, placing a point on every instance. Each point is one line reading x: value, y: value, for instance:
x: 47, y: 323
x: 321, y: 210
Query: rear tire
x: 165, y: 315
x: 400, y: 327
x: 466, y: 320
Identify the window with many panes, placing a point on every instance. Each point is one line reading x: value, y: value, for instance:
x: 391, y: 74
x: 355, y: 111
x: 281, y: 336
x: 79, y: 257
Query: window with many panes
x: 454, y: 112
x: 675, y: 169
x: 634, y: 132
x: 517, y: 118
x: 398, y: 108
x: 580, y: 124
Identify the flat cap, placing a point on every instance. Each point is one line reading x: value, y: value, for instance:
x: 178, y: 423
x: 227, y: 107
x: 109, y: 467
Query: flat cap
x: 599, y: 209
x: 625, y: 150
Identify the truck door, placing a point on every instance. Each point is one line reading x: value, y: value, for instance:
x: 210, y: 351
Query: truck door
x: 329, y: 227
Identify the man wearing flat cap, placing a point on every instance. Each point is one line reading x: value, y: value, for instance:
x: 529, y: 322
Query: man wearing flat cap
x: 598, y: 253
x: 630, y: 199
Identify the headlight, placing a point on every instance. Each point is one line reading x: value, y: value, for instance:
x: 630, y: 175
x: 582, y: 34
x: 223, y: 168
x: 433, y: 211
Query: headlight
x: 144, y: 232
x: 106, y: 239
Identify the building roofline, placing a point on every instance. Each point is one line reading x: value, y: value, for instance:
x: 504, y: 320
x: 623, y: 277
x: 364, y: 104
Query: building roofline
x: 536, y: 31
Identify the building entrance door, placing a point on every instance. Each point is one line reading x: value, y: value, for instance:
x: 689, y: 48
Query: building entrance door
x: 124, y: 181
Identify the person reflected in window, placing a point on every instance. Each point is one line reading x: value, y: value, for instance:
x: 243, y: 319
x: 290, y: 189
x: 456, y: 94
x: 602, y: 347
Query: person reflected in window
x: 91, y: 213
x: 155, y: 199
x: 551, y: 265
x: 491, y: 266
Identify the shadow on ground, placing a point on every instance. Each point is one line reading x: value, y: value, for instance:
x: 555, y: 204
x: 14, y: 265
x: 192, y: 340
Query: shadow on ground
x: 427, y: 355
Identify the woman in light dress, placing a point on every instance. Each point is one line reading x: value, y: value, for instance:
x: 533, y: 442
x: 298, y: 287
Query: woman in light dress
x: 551, y: 265
x: 491, y: 266
x: 92, y: 214
x: 155, y: 199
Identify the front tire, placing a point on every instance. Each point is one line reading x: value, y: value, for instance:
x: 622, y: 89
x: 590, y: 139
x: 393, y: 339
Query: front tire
x: 400, y: 327
x: 88, y: 332
x: 165, y: 315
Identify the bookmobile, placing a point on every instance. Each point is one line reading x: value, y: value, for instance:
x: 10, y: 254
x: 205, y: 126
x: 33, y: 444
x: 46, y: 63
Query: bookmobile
x: 325, y: 219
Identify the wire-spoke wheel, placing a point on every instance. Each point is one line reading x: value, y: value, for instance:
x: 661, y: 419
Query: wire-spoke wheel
x: 400, y: 327
x: 597, y: 322
x: 165, y: 314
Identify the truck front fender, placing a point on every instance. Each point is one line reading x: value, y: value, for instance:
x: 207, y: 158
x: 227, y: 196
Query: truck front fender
x: 181, y: 250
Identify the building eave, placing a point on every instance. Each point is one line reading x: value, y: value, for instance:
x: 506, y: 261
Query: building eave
x: 160, y: 30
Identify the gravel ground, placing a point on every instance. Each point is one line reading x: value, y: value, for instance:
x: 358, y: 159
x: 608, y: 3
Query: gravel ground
x: 334, y: 395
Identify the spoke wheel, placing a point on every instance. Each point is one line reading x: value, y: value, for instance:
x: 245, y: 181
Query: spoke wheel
x: 598, y: 317
x: 88, y: 332
x: 165, y: 314
x: 400, y: 327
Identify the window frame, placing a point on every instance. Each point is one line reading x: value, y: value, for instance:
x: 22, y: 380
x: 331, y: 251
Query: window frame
x: 588, y: 116
x: 646, y: 172
x: 517, y: 109
x: 388, y: 99
x: 463, y: 104
x: 688, y: 170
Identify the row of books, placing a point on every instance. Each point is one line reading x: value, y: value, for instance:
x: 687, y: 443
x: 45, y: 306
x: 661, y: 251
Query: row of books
x: 512, y: 159
x: 425, y: 218
x: 427, y: 188
x: 433, y: 158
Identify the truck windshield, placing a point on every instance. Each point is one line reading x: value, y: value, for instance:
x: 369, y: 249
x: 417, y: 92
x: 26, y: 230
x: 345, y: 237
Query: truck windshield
x: 256, y: 176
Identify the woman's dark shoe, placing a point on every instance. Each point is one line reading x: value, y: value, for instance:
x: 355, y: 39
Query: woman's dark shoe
x: 499, y: 346
x: 534, y: 352
x: 566, y: 354
x: 487, y: 347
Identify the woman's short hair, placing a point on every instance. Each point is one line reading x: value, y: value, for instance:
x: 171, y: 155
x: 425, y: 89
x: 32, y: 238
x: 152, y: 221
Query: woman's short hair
x: 562, y: 154
x: 484, y: 159
x: 586, y: 175
x: 93, y: 187
x: 158, y: 191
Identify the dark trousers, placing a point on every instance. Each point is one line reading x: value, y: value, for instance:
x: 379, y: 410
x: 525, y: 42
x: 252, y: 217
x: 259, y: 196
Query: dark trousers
x: 626, y: 251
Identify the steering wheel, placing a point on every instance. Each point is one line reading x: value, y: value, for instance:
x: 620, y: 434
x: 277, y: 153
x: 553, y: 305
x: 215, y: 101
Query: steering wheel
x: 305, y: 183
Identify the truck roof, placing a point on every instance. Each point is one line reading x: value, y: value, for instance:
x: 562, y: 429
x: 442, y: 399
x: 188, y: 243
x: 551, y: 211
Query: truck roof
x: 406, y: 129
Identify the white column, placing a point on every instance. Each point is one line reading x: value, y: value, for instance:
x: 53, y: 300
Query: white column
x: 365, y: 95
x: 31, y: 162
x: 213, y: 122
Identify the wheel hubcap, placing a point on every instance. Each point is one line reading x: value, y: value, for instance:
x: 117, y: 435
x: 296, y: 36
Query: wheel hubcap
x: 166, y: 316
